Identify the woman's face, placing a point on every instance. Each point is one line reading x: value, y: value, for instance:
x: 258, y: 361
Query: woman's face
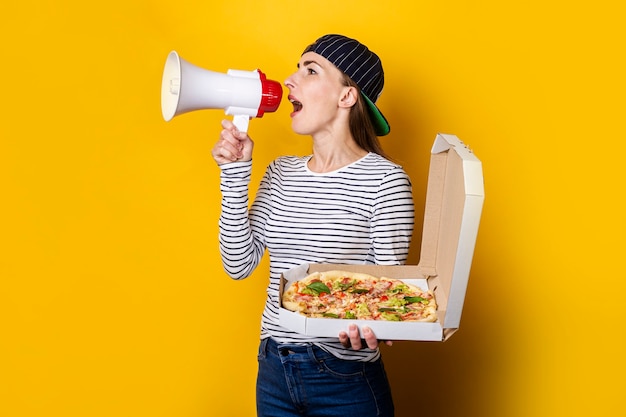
x: 315, y: 90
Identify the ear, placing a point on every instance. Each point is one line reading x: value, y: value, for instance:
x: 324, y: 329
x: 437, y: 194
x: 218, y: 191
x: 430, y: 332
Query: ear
x: 348, y: 97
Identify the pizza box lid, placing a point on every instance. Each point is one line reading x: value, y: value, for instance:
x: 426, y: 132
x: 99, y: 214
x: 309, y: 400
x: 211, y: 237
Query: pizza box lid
x: 454, y: 200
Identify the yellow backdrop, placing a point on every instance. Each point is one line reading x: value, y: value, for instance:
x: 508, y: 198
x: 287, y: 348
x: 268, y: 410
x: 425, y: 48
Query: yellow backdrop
x: 109, y: 264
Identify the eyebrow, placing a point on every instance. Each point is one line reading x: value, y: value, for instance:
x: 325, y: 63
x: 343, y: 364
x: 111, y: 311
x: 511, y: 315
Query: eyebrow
x: 305, y: 63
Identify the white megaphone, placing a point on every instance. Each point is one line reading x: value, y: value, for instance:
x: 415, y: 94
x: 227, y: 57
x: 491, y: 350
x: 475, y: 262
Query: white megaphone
x: 242, y: 94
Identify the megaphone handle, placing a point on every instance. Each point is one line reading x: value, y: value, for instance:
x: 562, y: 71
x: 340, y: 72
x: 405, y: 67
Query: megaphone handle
x: 241, y: 122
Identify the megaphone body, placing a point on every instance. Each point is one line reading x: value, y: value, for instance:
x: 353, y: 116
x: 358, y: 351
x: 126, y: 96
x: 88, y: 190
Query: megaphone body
x: 242, y: 94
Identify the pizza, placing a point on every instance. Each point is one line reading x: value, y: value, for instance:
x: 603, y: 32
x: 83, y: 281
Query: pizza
x: 353, y: 295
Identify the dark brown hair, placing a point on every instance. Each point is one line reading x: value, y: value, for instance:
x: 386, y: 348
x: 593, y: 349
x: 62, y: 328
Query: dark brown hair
x: 361, y: 126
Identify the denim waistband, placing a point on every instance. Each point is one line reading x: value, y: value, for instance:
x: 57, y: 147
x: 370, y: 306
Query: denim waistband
x: 302, y: 350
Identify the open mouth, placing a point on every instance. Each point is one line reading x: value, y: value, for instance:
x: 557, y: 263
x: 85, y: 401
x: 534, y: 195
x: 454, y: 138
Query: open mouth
x: 297, y: 106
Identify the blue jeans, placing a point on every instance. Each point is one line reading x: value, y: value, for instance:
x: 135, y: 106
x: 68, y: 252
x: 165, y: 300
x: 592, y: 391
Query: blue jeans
x: 296, y: 380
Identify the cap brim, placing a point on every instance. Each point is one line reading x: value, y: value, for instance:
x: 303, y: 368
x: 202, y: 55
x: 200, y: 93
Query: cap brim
x: 381, y: 126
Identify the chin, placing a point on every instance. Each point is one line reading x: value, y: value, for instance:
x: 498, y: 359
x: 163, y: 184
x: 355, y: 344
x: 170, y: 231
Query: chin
x: 298, y: 130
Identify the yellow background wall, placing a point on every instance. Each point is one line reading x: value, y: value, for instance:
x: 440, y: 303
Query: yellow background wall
x: 109, y: 260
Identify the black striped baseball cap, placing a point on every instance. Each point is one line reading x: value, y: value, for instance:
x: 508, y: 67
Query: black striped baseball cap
x: 360, y: 64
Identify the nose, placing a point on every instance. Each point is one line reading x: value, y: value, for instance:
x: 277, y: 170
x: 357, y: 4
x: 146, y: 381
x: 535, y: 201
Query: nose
x: 289, y: 82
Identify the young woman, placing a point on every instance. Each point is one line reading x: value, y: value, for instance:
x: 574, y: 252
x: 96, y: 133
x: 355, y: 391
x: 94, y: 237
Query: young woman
x: 344, y: 203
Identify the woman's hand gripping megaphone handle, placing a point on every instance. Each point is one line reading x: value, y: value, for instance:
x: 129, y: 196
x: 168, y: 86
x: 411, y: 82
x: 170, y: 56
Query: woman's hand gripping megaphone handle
x: 233, y: 145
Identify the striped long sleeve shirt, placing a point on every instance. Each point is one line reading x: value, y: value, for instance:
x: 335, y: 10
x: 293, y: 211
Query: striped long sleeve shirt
x: 360, y: 214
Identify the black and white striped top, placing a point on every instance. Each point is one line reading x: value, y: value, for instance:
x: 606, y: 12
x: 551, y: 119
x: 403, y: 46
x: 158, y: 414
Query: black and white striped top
x: 359, y: 214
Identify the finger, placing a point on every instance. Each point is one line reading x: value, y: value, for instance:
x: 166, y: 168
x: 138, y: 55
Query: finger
x: 344, y: 339
x: 227, y: 124
x: 230, y: 126
x: 235, y: 148
x: 228, y: 136
x: 370, y: 338
x: 229, y: 146
x: 355, y: 337
x: 226, y: 150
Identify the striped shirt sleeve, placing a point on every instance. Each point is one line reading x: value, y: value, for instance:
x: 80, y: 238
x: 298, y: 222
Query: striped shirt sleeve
x: 241, y: 250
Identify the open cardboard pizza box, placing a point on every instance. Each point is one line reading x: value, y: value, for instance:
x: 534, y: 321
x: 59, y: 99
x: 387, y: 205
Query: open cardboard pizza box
x: 454, y: 201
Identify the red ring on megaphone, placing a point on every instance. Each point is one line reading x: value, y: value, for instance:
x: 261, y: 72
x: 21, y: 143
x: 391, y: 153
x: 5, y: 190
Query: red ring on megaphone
x: 271, y: 95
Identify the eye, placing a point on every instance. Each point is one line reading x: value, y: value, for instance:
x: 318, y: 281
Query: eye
x: 310, y: 71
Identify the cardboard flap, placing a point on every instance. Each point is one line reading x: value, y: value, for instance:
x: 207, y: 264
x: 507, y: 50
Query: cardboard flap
x: 454, y: 199
x: 440, y: 145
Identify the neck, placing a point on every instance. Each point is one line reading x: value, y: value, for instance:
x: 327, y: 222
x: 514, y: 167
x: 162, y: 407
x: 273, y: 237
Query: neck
x: 332, y: 153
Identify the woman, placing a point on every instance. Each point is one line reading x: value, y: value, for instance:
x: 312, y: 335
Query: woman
x: 344, y: 203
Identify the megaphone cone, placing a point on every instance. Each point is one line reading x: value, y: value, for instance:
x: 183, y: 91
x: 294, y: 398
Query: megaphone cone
x: 242, y: 94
